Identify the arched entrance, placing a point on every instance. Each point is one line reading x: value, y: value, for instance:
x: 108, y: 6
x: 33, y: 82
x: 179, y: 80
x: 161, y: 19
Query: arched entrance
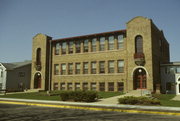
x: 37, y: 80
x: 139, y: 79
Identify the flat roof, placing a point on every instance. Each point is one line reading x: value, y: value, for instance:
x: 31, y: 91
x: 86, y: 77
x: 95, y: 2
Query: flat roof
x: 91, y: 35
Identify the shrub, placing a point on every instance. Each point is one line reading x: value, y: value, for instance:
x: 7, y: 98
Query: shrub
x: 78, y: 96
x: 138, y: 100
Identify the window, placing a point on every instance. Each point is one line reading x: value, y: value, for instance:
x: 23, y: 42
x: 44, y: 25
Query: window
x: 56, y: 69
x: 178, y: 69
x: 120, y: 66
x: 0, y: 86
x: 172, y: 70
x: 85, y: 86
x: 120, y: 41
x: 63, y: 69
x: 93, y: 86
x: 93, y: 44
x: 111, y: 66
x: 102, y: 44
x: 120, y: 86
x: 78, y: 46
x: 111, y: 43
x: 38, y: 56
x: 70, y: 68
x: 77, y: 86
x: 85, y: 67
x: 1, y: 73
x: 101, y: 67
x: 64, y: 48
x: 57, y: 48
x: 21, y: 74
x: 168, y: 86
x: 86, y: 45
x: 71, y: 43
x: 93, y: 67
x: 102, y: 86
x: 139, y: 44
x: 78, y: 68
x: 179, y: 79
x: 111, y: 86
x: 55, y: 86
x: 62, y: 87
x: 69, y: 86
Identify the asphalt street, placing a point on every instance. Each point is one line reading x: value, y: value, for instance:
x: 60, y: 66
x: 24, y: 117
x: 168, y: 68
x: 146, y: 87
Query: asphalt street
x: 10, y: 112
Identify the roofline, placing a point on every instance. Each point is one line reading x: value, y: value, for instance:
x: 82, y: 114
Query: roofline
x: 90, y: 35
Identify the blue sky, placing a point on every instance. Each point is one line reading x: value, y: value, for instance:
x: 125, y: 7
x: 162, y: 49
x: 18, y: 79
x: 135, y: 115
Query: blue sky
x: 20, y: 20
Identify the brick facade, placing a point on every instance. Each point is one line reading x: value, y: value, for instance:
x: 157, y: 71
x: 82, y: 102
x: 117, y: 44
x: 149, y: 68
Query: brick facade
x: 117, y: 75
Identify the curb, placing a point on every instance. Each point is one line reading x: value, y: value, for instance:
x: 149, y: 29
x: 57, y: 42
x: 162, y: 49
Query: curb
x: 94, y: 107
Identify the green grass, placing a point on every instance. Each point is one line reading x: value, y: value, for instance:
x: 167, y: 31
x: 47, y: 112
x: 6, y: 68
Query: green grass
x: 165, y: 100
x: 33, y: 95
x: 44, y: 96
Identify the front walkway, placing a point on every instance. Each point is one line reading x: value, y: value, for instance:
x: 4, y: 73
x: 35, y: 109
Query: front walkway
x: 114, y: 100
x: 177, y: 97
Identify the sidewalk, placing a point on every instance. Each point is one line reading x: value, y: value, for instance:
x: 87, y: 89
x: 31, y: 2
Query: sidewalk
x: 159, y: 110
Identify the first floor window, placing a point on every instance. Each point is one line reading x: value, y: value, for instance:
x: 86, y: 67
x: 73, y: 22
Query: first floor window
x: 56, y: 69
x: 120, y: 86
x: 85, y: 86
x: 120, y: 66
x: 56, y: 86
x: 70, y: 67
x: 111, y: 66
x: 93, y: 86
x: 63, y: 69
x: 111, y: 86
x: 102, y: 67
x: 69, y: 86
x: 77, y: 86
x: 101, y: 86
x: 85, y: 67
x: 78, y: 68
x: 62, y: 86
x: 93, y: 67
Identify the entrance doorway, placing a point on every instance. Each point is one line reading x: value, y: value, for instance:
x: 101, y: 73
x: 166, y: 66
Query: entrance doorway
x: 37, y: 80
x: 139, y: 79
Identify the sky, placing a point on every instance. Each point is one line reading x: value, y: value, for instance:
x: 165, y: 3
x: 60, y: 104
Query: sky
x: 20, y: 20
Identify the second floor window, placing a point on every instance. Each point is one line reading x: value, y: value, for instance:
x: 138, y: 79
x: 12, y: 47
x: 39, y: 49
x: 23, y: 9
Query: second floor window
x: 120, y: 41
x: 93, y: 45
x: 120, y: 66
x: 138, y: 44
x: 85, y: 67
x: 64, y: 48
x: 111, y: 43
x: 63, y: 69
x: 111, y: 66
x: 70, y: 68
x: 102, y: 44
x: 78, y: 46
x: 78, y: 68
x: 38, y: 56
x: 101, y: 67
x: 57, y: 48
x: 86, y: 45
x: 71, y: 47
x: 93, y: 67
x: 56, y: 69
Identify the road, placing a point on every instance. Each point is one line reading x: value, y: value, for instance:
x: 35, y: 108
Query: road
x: 34, y: 113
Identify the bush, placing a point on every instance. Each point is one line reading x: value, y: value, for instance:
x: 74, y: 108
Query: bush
x: 138, y: 101
x: 79, y: 96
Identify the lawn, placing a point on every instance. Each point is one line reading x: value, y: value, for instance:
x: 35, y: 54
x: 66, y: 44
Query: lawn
x: 166, y: 100
x: 54, y: 97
